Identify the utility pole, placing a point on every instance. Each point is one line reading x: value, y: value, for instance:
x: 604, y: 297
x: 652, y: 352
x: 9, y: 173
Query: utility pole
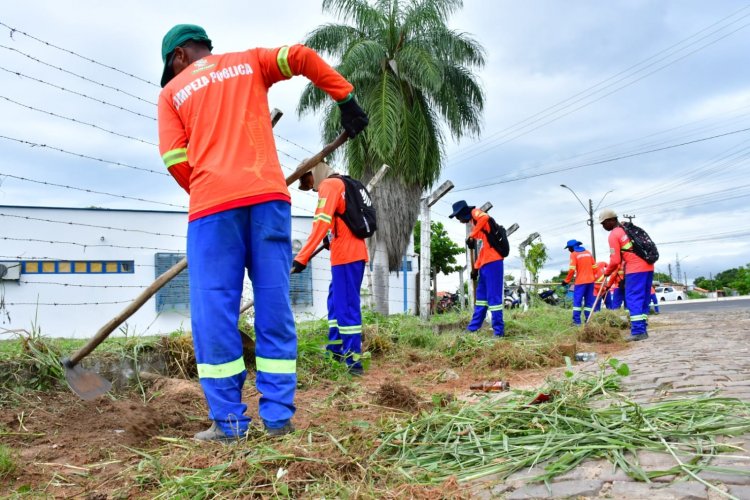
x: 679, y: 271
x: 591, y: 226
x: 669, y: 267
x: 425, y: 271
x: 590, y: 211
x: 629, y: 217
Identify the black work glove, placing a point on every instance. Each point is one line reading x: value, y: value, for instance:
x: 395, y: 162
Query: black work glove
x: 474, y: 274
x: 353, y: 118
x: 327, y: 242
x: 565, y: 282
x: 471, y: 243
x: 297, y: 267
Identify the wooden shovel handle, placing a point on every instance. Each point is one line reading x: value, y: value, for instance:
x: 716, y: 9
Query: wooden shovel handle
x: 173, y: 271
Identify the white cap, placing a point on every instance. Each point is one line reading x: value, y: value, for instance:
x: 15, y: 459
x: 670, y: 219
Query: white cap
x: 607, y: 213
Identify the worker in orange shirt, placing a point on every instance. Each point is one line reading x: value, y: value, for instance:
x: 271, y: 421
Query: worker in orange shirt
x: 654, y: 302
x: 348, y: 259
x: 615, y: 290
x: 639, y: 274
x: 582, y: 266
x: 488, y: 267
x: 216, y: 140
x: 598, y: 284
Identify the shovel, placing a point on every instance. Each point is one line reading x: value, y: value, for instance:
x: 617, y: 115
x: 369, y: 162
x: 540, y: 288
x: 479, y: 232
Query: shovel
x: 88, y: 384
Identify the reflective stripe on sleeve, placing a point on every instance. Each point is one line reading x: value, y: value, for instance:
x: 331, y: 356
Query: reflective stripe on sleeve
x: 221, y: 370
x: 323, y: 217
x: 628, y: 245
x: 174, y: 156
x: 282, y: 59
x: 268, y: 365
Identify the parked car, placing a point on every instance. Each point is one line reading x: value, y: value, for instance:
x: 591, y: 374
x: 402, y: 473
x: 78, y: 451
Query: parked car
x: 668, y: 293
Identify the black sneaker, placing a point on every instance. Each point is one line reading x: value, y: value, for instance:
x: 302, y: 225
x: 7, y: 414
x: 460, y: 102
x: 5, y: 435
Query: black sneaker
x: 356, y: 371
x: 637, y: 338
x: 280, y: 431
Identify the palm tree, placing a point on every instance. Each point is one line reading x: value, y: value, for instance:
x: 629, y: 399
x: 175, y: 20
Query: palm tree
x: 413, y: 75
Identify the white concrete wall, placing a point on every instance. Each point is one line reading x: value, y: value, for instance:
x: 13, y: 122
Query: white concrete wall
x: 77, y: 305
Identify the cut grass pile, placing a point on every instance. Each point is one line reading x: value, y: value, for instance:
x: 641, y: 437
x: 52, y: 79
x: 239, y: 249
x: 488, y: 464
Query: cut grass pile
x: 500, y: 436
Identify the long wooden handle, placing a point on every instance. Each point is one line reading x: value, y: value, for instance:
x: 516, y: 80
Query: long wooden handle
x: 173, y: 271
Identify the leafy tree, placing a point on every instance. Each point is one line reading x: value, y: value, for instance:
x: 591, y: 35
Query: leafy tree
x: 443, y: 251
x: 662, y: 278
x: 535, y: 258
x: 414, y: 77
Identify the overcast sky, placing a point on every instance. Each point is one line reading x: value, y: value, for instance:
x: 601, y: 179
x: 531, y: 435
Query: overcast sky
x: 570, y: 86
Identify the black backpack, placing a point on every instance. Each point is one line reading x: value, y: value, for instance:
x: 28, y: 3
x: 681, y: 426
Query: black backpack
x: 643, y: 246
x: 498, y: 238
x: 359, y: 215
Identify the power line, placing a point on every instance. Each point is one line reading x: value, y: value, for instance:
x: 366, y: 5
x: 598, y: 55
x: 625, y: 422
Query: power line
x: 90, y: 245
x: 100, y: 101
x: 71, y: 223
x: 16, y: 30
x: 507, y: 131
x: 91, y: 191
x: 80, y: 155
x: 74, y: 120
x: 608, y: 160
x: 77, y: 75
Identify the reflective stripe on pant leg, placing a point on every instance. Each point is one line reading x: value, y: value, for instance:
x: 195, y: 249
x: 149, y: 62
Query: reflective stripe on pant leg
x: 480, y: 304
x: 216, y: 250
x: 269, y: 261
x: 347, y: 281
x: 578, y: 294
x: 638, y: 291
x: 588, y: 298
x: 493, y: 275
x: 334, y: 338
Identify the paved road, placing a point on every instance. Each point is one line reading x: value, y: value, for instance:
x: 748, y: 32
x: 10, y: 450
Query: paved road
x: 701, y: 305
x: 687, y: 354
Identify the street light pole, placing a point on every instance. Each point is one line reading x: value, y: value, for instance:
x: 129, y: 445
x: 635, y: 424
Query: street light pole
x: 590, y: 212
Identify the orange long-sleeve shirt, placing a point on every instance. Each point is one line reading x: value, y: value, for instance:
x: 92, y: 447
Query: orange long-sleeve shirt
x: 345, y: 246
x: 215, y: 135
x: 621, y: 252
x: 582, y: 265
x: 481, y: 223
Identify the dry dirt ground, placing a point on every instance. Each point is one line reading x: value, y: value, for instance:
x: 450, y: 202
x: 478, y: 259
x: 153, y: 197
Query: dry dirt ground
x: 65, y: 447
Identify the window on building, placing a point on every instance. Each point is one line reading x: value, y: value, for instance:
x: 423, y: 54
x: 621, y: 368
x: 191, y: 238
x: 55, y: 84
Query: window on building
x: 300, y: 288
x: 77, y: 266
x: 175, y: 295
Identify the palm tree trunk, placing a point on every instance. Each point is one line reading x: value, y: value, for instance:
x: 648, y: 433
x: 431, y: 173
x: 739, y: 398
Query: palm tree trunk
x: 380, y: 276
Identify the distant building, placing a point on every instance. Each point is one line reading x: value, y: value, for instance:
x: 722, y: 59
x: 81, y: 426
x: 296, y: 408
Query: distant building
x: 67, y: 271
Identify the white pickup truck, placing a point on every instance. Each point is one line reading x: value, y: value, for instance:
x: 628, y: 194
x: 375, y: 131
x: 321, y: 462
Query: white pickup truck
x: 668, y: 293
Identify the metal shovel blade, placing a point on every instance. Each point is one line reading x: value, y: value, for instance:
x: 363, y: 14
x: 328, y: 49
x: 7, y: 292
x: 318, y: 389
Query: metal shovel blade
x: 87, y: 384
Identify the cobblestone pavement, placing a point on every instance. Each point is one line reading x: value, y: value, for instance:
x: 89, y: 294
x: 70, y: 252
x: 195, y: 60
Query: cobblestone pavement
x: 687, y: 354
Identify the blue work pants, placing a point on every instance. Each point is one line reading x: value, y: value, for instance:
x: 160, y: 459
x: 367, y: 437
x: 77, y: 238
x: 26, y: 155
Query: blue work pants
x: 583, y: 300
x: 489, y: 297
x: 220, y: 247
x: 637, y: 297
x: 345, y: 314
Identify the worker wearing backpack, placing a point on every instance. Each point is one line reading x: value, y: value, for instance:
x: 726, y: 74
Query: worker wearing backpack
x: 639, y: 273
x: 337, y: 196
x: 488, y: 267
x: 582, y: 265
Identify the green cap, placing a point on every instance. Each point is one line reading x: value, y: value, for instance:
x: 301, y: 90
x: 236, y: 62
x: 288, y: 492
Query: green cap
x: 176, y: 37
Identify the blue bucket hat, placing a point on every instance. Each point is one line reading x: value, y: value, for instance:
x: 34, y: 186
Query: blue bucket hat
x: 461, y: 210
x: 572, y: 244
